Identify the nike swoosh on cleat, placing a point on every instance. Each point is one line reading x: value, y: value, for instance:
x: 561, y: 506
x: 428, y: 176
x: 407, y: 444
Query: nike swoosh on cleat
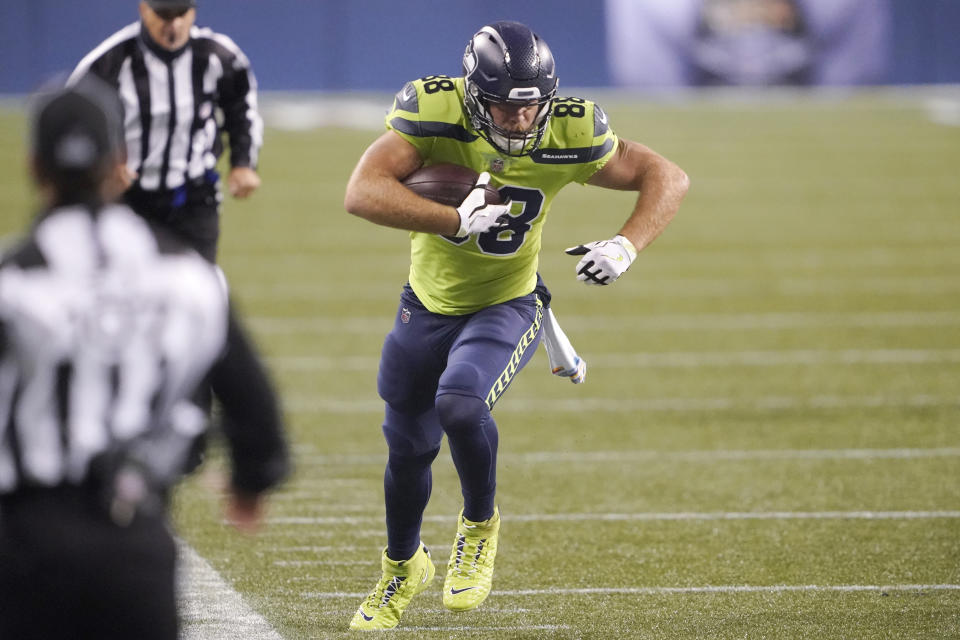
x: 365, y: 616
x: 454, y: 592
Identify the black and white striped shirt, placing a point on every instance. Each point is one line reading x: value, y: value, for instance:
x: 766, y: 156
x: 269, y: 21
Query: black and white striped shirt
x: 170, y: 101
x: 106, y: 329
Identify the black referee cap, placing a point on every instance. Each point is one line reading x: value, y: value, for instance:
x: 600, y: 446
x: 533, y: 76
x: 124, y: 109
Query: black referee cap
x: 77, y: 130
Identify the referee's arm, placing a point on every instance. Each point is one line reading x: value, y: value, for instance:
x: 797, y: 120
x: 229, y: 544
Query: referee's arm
x: 241, y: 120
x: 252, y: 422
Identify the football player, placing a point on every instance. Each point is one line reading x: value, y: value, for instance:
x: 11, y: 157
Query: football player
x: 473, y: 311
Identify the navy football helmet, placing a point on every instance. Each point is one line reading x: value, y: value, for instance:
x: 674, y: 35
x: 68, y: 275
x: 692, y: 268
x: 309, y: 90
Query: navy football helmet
x: 507, y: 63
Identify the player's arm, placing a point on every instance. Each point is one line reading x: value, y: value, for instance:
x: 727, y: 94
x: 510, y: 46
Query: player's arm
x: 662, y: 186
x: 375, y: 193
x: 661, y: 183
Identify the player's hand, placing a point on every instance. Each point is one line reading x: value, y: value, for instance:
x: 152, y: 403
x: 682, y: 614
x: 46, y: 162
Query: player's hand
x: 603, y: 261
x: 476, y: 216
x: 242, y: 181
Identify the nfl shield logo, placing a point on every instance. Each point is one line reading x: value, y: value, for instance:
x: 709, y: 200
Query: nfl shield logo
x: 496, y: 165
x: 405, y: 315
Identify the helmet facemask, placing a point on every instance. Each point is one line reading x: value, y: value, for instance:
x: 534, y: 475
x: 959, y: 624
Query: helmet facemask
x: 511, y: 143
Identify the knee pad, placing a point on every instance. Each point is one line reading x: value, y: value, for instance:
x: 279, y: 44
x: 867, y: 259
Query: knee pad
x: 459, y: 413
x: 464, y: 378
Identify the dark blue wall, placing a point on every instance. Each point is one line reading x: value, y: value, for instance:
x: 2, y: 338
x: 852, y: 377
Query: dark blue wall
x: 309, y: 44
x: 926, y: 44
x: 342, y: 45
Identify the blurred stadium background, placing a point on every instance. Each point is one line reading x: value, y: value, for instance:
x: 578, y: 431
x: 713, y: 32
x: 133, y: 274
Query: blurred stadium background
x: 767, y: 443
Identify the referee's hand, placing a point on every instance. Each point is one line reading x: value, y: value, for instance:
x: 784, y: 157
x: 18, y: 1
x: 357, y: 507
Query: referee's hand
x: 242, y: 182
x: 245, y: 511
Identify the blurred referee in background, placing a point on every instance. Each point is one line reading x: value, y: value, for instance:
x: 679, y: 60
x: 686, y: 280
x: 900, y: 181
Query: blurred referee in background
x: 106, y: 327
x: 172, y: 78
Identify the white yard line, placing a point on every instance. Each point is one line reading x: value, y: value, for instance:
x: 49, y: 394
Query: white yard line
x: 763, y: 403
x: 705, y: 455
x: 567, y: 457
x: 326, y: 563
x: 777, y: 358
x: 474, y: 628
x: 317, y: 549
x: 776, y: 588
x: 209, y: 607
x: 733, y: 588
x: 736, y: 515
x: 678, y: 359
x: 649, y: 517
x: 694, y: 321
x: 673, y: 287
x: 311, y: 403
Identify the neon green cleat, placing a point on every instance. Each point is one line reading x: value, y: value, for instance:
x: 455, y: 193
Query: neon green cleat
x: 470, y: 571
x: 401, y: 581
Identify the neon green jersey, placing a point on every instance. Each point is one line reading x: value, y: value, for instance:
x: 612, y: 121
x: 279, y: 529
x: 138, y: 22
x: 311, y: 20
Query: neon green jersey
x: 456, y: 276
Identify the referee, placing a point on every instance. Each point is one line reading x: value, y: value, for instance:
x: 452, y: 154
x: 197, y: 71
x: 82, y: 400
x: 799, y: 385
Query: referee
x: 172, y: 78
x: 107, y: 325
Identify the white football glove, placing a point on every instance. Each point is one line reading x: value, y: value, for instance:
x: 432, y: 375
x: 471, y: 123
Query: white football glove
x: 603, y: 261
x: 476, y: 216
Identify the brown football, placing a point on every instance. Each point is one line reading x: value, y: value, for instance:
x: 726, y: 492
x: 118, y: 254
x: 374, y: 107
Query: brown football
x: 448, y: 184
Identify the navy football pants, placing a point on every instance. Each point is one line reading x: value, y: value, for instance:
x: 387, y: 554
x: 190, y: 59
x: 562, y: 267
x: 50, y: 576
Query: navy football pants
x: 442, y: 375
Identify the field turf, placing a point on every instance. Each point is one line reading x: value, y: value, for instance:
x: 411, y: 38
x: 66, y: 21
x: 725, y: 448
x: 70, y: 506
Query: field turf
x: 768, y: 441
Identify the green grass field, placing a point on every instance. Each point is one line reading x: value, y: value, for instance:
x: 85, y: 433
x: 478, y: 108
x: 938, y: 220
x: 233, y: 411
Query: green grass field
x: 767, y: 444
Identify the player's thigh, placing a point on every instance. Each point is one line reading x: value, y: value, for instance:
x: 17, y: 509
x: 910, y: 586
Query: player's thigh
x: 492, y: 348
x: 413, y: 356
